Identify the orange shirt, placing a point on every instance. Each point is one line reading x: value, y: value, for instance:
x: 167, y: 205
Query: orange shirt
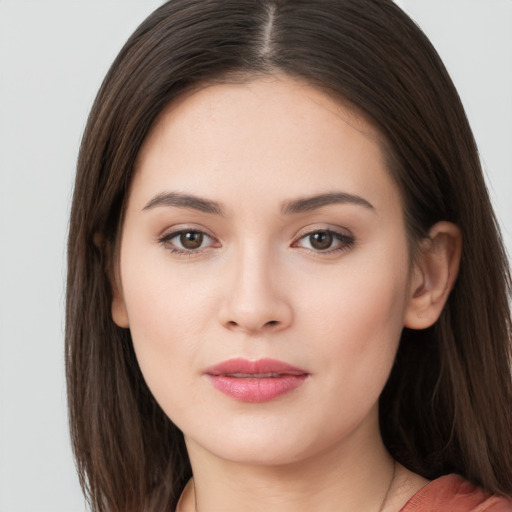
x: 451, y: 493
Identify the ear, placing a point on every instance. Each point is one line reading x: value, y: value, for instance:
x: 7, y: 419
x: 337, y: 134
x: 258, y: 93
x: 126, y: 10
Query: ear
x: 433, y: 275
x: 118, y: 307
x: 119, y: 313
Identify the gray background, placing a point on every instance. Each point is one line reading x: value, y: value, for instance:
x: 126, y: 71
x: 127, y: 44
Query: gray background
x: 53, y: 55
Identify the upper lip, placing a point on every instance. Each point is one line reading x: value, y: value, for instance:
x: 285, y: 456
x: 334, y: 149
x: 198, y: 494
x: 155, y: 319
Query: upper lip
x: 261, y: 367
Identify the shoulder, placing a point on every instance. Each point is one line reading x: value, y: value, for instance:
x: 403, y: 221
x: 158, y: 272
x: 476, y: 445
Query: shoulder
x: 453, y: 493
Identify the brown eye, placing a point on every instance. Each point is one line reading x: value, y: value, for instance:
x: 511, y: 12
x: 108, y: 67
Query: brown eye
x: 187, y: 242
x: 325, y: 240
x: 321, y: 240
x: 191, y: 240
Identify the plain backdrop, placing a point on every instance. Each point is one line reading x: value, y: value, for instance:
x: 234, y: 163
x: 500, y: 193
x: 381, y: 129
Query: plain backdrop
x: 53, y: 56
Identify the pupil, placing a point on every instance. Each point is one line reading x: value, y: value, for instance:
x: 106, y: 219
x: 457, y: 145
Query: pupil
x: 321, y: 241
x: 191, y: 240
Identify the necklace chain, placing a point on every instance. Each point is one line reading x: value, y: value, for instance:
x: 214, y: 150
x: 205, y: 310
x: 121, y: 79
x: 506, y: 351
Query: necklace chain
x: 390, y: 486
x: 383, y: 504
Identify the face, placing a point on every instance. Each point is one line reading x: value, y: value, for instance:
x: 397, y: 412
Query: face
x: 264, y: 271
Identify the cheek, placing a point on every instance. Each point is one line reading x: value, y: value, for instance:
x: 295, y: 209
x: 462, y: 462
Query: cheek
x: 163, y: 299
x: 369, y: 295
x: 357, y: 319
x: 167, y: 314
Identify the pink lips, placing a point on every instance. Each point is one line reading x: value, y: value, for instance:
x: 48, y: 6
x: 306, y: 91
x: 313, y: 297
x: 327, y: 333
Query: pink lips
x: 255, y: 381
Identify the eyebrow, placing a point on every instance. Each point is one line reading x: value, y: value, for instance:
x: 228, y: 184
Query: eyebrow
x: 307, y: 204
x: 180, y: 200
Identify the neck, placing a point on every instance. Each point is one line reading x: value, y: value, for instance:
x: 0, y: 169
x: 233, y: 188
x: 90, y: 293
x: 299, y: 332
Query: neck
x: 344, y: 479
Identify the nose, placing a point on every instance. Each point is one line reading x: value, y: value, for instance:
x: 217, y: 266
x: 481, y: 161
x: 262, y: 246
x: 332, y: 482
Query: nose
x: 256, y: 296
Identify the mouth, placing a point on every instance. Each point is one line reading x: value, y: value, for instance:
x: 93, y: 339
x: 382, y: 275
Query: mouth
x: 255, y: 381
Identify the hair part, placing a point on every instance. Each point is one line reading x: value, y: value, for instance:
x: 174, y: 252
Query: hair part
x: 447, y: 406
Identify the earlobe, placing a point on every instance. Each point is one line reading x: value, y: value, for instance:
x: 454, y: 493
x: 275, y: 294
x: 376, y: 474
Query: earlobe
x: 118, y: 308
x: 119, y: 313
x: 434, y: 275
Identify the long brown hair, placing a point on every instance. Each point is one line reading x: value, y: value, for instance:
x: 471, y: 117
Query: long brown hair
x: 447, y: 406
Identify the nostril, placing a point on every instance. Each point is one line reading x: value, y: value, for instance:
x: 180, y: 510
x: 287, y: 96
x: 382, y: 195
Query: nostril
x: 271, y: 323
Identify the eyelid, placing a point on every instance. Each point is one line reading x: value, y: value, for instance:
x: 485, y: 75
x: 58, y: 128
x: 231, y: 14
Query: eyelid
x: 344, y: 236
x: 167, y: 235
x: 345, y: 239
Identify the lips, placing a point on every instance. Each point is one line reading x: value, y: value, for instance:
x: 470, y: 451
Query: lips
x: 255, y: 381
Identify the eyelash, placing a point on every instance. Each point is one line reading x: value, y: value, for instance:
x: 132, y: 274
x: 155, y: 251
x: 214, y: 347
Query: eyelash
x: 166, y: 242
x: 345, y: 242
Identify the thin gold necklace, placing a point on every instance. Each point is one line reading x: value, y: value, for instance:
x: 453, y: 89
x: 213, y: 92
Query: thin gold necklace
x: 390, y: 486
x: 383, y: 504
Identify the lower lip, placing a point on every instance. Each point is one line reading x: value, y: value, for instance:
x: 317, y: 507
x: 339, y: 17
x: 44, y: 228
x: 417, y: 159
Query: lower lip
x: 256, y: 390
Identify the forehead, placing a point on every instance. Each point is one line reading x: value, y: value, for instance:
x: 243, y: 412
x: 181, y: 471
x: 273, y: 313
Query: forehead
x: 207, y: 102
x: 235, y: 137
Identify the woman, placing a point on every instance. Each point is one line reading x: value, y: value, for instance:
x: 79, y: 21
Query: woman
x: 286, y: 286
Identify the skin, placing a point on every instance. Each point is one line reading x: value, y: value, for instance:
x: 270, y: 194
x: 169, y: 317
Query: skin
x: 258, y: 287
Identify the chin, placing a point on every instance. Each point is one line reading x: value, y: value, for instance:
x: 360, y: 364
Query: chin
x: 262, y: 445
x: 266, y: 453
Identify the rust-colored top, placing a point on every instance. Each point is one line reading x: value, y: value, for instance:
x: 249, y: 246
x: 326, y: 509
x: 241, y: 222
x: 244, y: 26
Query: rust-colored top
x: 451, y: 493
